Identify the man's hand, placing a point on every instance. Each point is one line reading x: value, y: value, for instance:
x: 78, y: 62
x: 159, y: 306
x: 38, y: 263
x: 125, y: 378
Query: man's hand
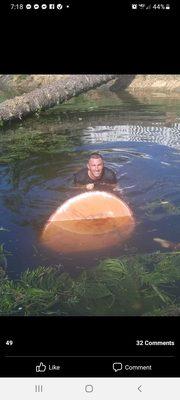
x: 90, y: 186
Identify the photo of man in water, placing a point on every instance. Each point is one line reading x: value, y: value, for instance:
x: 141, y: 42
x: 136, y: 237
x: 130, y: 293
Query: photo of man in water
x: 90, y: 196
x: 95, y: 173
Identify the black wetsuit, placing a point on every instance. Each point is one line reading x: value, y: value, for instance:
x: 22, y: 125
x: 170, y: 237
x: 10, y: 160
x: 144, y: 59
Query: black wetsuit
x: 108, y: 177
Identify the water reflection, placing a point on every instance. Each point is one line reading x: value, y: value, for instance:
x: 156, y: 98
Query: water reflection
x: 167, y: 136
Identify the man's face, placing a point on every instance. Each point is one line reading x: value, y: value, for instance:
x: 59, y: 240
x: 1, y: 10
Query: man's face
x: 95, y: 167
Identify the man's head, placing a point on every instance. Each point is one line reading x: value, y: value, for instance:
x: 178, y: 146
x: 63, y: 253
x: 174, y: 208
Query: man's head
x: 95, y: 166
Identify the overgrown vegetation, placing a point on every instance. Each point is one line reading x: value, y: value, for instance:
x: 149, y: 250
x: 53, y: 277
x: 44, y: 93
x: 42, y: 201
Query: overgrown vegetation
x: 138, y: 285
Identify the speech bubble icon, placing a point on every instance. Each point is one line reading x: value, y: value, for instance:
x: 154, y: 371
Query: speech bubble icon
x: 117, y: 366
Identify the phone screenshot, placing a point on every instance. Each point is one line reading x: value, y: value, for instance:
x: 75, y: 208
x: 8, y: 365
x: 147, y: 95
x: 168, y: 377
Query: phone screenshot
x: 89, y: 202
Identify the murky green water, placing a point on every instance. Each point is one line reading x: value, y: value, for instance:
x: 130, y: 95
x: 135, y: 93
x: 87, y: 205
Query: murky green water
x: 139, y: 139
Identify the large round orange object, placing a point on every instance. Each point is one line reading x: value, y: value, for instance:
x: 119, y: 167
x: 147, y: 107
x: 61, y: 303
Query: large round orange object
x: 89, y: 221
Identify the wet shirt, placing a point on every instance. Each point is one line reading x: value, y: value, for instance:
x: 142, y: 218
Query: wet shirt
x: 82, y: 177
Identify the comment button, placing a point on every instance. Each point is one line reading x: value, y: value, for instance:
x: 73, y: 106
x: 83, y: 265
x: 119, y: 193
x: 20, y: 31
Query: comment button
x: 117, y: 366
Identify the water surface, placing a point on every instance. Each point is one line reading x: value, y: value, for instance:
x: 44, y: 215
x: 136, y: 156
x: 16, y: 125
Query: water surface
x: 139, y: 140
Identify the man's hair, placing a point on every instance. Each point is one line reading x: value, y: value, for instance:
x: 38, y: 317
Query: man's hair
x: 95, y: 155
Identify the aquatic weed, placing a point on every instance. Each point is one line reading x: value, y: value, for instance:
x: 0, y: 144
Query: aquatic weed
x: 125, y: 286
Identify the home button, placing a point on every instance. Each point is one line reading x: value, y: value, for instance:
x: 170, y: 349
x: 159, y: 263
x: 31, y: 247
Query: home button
x: 89, y: 388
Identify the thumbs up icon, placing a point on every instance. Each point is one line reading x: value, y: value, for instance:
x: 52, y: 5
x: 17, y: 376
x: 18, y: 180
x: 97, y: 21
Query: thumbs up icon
x: 41, y: 367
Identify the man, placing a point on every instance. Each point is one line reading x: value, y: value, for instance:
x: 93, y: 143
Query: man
x: 95, y: 173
